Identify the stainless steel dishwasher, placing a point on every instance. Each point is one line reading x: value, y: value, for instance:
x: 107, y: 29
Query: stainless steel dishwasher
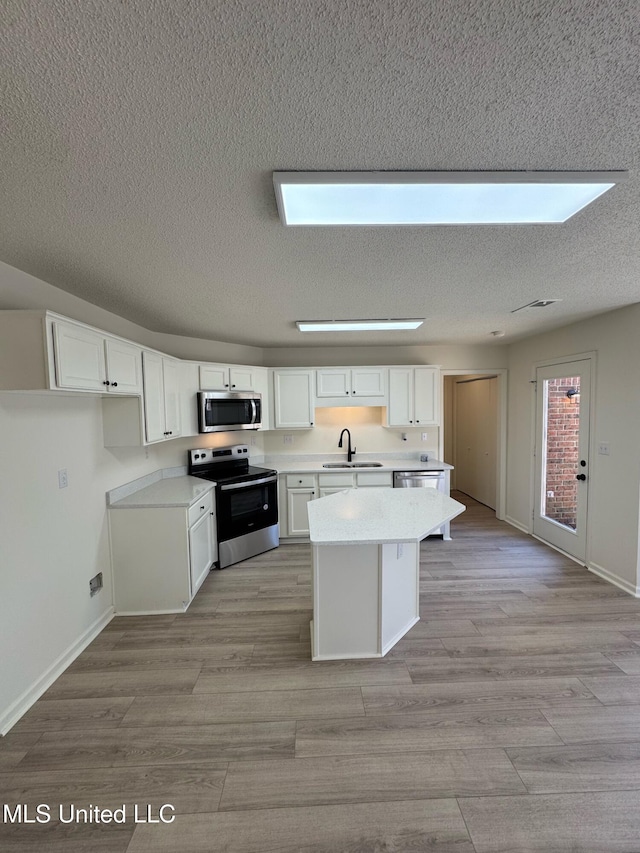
x: 424, y: 480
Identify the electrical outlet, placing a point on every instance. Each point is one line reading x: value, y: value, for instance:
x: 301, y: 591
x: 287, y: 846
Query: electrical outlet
x: 254, y: 441
x: 63, y: 480
x: 603, y: 448
x: 425, y: 436
x: 287, y: 439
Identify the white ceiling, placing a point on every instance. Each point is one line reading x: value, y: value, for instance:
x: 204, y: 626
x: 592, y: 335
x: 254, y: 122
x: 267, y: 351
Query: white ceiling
x: 140, y: 138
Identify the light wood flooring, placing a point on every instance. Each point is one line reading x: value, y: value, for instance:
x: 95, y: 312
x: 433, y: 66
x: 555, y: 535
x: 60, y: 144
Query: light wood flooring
x: 508, y: 719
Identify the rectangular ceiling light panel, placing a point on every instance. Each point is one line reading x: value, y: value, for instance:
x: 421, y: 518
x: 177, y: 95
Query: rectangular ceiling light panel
x: 436, y: 198
x: 356, y: 325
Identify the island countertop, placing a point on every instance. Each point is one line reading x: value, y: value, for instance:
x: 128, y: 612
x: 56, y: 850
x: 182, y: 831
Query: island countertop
x: 379, y: 516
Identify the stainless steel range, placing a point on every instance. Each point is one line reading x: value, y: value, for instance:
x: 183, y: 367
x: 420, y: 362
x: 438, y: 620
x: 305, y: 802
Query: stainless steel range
x: 246, y: 501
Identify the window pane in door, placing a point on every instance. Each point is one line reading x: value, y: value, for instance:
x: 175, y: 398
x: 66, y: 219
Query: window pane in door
x: 561, y: 434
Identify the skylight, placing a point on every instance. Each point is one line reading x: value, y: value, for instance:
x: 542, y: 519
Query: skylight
x: 436, y: 198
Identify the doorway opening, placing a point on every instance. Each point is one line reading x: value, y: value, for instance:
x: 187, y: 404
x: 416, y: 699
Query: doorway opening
x: 474, y: 433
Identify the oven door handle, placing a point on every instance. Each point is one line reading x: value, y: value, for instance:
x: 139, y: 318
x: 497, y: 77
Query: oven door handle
x: 231, y: 486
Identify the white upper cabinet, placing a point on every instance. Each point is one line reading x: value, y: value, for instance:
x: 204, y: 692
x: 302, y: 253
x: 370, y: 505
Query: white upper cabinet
x: 161, y: 397
x: 368, y: 382
x: 414, y: 396
x: 226, y: 377
x: 79, y: 358
x: 334, y: 382
x: 86, y: 360
x: 351, y: 386
x: 124, y: 366
x: 293, y: 399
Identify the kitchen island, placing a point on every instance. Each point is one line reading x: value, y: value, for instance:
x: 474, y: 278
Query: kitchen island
x: 366, y: 567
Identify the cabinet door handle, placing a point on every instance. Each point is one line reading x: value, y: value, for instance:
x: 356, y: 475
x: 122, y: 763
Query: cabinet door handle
x: 211, y: 513
x: 201, y: 507
x: 346, y: 392
x: 114, y: 384
x: 106, y: 382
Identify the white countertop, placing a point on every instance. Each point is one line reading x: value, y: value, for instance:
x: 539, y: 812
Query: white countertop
x: 172, y: 491
x: 313, y: 462
x: 379, y: 516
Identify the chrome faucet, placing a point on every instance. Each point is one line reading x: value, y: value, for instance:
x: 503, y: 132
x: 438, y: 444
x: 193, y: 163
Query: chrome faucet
x: 350, y: 453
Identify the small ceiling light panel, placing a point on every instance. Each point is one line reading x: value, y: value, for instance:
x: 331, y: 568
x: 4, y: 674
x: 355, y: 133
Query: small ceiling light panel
x: 436, y: 198
x: 357, y: 325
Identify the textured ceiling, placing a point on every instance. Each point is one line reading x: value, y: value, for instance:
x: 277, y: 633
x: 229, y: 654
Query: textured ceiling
x: 139, y: 140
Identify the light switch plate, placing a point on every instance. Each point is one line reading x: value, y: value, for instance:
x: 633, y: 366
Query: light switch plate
x: 63, y: 480
x: 603, y: 448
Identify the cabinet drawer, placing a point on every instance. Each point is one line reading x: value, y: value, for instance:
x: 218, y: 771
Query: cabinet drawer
x: 203, y: 505
x: 296, y: 481
x: 374, y: 478
x: 342, y: 479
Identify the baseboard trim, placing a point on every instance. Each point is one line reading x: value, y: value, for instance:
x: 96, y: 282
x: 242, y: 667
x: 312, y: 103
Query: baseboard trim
x: 516, y: 524
x: 621, y: 583
x: 31, y: 695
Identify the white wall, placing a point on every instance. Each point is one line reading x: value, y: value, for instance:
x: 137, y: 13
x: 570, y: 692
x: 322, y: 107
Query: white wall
x: 614, y: 480
x: 451, y: 357
x: 52, y: 541
x: 20, y: 290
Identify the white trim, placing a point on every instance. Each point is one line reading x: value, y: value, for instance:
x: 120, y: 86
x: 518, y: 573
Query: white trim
x: 128, y: 613
x: 518, y: 525
x: 611, y: 578
x: 502, y: 374
x: 401, y: 633
x: 22, y: 704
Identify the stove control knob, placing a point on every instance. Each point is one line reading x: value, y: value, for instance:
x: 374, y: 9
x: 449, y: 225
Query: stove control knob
x: 266, y: 506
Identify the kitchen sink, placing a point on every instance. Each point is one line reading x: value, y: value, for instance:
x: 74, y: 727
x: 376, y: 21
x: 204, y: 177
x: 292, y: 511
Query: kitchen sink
x: 352, y: 465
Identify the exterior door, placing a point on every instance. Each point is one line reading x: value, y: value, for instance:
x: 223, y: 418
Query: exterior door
x: 562, y: 455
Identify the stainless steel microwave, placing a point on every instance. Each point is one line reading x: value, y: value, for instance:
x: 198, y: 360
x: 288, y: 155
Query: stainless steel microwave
x: 225, y: 411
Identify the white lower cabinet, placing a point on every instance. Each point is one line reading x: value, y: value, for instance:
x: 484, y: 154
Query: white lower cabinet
x: 161, y: 555
x: 296, y: 490
x: 299, y: 489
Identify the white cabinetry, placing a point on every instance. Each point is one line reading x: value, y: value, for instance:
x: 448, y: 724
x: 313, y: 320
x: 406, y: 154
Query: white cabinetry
x: 293, y: 399
x: 161, y: 555
x: 329, y: 484
x: 86, y: 360
x: 414, y: 396
x: 226, y: 377
x: 296, y: 492
x: 161, y: 397
x: 350, y: 382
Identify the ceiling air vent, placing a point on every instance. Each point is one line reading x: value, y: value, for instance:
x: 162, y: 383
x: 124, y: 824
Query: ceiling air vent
x: 538, y: 303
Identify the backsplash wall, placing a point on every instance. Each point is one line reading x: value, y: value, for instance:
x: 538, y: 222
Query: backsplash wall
x: 367, y: 434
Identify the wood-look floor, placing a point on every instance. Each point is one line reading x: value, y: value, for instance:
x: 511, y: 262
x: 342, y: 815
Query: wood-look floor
x: 508, y: 719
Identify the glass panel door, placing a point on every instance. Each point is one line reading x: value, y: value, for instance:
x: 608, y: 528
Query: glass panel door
x: 562, y: 445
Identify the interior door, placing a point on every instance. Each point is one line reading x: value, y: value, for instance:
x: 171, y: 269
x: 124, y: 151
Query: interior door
x: 562, y: 455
